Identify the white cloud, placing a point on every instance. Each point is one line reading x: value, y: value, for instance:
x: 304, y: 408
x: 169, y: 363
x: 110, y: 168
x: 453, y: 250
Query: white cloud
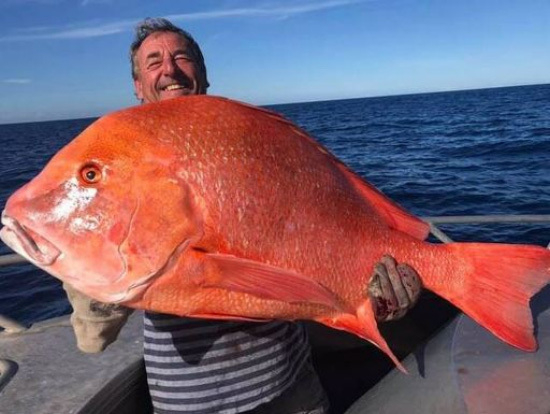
x: 264, y: 11
x: 70, y: 32
x: 95, y: 29
x: 16, y: 81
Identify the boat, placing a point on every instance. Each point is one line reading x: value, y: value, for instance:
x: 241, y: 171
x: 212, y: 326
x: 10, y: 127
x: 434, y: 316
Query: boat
x: 454, y: 365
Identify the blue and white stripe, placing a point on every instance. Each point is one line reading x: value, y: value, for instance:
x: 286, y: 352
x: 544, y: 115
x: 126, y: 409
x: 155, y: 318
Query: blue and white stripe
x: 205, y: 367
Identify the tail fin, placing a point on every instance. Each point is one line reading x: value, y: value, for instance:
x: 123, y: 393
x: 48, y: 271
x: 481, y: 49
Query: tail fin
x: 498, y: 287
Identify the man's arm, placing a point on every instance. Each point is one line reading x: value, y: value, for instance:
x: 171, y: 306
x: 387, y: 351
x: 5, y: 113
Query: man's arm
x: 95, y: 324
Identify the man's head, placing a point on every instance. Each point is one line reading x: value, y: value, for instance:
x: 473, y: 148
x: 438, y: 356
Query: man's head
x: 166, y: 62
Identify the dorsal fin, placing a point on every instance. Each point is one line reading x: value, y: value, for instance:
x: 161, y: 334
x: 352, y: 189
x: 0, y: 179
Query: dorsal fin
x: 395, y: 216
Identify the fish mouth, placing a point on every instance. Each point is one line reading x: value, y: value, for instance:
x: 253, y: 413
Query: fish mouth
x: 31, y: 246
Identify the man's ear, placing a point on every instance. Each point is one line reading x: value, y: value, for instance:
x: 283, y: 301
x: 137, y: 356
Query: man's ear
x: 138, y: 90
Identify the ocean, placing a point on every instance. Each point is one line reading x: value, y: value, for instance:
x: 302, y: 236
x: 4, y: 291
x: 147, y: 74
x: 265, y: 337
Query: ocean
x: 450, y: 153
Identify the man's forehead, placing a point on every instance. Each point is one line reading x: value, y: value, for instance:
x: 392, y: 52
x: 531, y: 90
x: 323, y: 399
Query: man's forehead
x: 158, y: 41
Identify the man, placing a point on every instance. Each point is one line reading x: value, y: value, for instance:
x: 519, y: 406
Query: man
x: 199, y: 366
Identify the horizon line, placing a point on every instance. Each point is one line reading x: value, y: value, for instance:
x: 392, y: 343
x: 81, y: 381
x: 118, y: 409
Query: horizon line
x: 307, y: 102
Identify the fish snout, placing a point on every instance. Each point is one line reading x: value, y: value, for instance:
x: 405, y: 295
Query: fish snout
x: 27, y: 243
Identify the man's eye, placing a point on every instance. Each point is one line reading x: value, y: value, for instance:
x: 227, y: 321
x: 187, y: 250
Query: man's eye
x: 184, y: 57
x: 153, y: 64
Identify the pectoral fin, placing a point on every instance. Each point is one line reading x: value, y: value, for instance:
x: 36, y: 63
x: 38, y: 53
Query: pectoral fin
x: 268, y: 282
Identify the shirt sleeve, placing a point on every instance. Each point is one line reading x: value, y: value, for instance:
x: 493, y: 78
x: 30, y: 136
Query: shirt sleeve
x: 96, y: 325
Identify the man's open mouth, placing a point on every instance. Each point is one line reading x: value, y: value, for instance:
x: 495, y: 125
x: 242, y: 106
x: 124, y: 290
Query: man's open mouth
x: 27, y: 243
x: 174, y: 87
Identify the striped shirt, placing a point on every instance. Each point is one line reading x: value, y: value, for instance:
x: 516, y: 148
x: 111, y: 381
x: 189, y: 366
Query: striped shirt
x: 201, y: 366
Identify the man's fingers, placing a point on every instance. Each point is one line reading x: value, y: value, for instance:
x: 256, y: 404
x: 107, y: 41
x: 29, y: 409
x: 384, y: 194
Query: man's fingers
x: 395, y: 278
x: 411, y: 282
x: 381, y: 294
x: 386, y: 287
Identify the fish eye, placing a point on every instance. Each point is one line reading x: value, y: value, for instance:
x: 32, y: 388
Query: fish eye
x: 90, y: 174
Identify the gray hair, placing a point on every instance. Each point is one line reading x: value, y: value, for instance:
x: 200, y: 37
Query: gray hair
x: 158, y: 24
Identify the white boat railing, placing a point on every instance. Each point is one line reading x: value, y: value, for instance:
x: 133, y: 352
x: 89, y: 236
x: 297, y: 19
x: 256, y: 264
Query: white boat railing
x: 482, y: 219
x: 10, y: 259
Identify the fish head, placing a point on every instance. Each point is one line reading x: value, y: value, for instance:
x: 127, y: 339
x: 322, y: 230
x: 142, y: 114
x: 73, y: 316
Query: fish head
x: 107, y: 214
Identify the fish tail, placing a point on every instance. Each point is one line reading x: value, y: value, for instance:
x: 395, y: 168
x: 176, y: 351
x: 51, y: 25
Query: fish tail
x: 494, y: 286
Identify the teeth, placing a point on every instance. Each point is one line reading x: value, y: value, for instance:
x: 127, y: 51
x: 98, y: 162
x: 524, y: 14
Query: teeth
x: 173, y: 87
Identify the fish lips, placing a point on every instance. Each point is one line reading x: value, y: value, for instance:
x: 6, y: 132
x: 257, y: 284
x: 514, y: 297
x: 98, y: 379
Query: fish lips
x: 27, y: 243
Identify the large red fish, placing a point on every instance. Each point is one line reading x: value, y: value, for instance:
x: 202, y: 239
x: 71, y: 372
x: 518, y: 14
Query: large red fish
x: 205, y: 207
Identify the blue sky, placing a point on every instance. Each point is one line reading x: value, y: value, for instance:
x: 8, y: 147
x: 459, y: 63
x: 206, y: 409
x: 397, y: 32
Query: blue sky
x: 65, y: 59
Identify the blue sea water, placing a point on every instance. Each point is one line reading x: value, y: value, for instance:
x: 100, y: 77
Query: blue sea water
x: 453, y: 153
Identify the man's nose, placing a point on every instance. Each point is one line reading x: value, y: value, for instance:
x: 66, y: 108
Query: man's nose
x: 169, y: 67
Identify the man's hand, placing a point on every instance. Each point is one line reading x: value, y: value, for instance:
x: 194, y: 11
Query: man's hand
x: 95, y: 324
x: 393, y: 289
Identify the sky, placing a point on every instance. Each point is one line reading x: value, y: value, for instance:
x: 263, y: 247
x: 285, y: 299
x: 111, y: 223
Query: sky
x: 65, y: 59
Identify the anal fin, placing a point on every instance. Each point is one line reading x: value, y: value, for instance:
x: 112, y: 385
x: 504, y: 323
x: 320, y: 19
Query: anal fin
x: 364, y: 325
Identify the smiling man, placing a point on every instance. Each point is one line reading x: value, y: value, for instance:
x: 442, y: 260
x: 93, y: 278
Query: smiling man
x: 205, y: 366
x: 167, y: 65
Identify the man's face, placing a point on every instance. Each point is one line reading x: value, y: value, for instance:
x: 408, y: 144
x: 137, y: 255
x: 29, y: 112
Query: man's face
x: 167, y: 68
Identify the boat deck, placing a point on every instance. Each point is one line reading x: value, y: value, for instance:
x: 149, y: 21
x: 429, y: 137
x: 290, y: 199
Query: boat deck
x: 49, y: 374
